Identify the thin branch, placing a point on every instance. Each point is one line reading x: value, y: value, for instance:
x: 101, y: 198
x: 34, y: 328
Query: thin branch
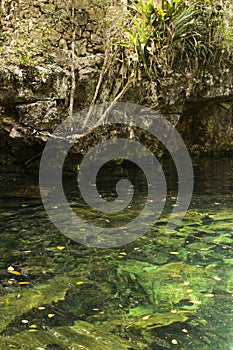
x: 73, y: 83
x: 121, y: 93
x: 106, y: 65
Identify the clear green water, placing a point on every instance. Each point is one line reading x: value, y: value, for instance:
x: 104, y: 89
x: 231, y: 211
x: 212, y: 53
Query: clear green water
x: 163, y: 291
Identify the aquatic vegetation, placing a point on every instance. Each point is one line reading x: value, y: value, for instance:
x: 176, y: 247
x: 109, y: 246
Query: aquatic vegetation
x: 21, y: 301
x: 172, y: 287
x: 81, y: 336
x: 166, y: 287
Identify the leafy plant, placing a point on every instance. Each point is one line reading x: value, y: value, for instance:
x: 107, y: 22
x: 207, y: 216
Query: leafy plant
x: 178, y: 33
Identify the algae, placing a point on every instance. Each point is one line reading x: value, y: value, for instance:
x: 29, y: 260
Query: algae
x: 81, y: 336
x: 133, y: 297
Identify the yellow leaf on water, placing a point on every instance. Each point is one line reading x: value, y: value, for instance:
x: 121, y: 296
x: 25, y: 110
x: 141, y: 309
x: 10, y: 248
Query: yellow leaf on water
x: 33, y: 326
x: 51, y: 315
x: 184, y: 330
x: 217, y: 278
x: 189, y: 291
x: 146, y: 317
x: 186, y: 283
x: 13, y: 272
x: 196, y: 302
x: 209, y: 295
x: 60, y: 247
x: 176, y: 275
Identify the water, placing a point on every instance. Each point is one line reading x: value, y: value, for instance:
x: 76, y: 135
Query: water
x: 165, y: 290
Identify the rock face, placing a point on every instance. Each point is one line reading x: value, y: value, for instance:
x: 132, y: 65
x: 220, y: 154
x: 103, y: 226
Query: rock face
x: 35, y: 80
x: 205, y: 109
x: 32, y: 94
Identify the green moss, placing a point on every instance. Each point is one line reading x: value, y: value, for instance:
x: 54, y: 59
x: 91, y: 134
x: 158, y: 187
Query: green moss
x: 139, y: 291
x: 15, y: 304
x: 82, y: 336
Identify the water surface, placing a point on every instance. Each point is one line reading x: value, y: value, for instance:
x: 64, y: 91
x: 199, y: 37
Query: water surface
x: 164, y: 290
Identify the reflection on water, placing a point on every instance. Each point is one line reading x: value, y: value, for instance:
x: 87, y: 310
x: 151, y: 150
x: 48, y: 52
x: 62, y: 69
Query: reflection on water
x: 165, y: 290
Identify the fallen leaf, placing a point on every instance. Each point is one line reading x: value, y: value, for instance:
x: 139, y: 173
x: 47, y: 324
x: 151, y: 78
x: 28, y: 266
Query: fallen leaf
x: 33, y: 326
x: 13, y: 272
x: 60, y: 247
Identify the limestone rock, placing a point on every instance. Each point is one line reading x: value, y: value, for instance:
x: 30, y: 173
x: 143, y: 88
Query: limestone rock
x: 41, y: 115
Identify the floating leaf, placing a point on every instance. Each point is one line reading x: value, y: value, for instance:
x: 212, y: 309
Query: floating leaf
x: 60, y: 247
x: 34, y: 326
x: 13, y: 272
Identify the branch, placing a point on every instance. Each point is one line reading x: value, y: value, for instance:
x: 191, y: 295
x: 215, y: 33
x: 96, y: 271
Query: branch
x: 73, y: 84
x: 106, y: 65
x: 121, y: 93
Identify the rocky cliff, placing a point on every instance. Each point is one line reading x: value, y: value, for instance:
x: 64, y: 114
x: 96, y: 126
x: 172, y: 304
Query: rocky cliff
x: 36, y: 79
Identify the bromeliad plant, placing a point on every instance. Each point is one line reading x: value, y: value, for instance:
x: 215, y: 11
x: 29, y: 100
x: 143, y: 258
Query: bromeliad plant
x: 175, y: 34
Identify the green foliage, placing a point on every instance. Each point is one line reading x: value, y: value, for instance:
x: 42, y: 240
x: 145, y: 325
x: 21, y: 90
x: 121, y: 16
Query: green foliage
x: 177, y: 34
